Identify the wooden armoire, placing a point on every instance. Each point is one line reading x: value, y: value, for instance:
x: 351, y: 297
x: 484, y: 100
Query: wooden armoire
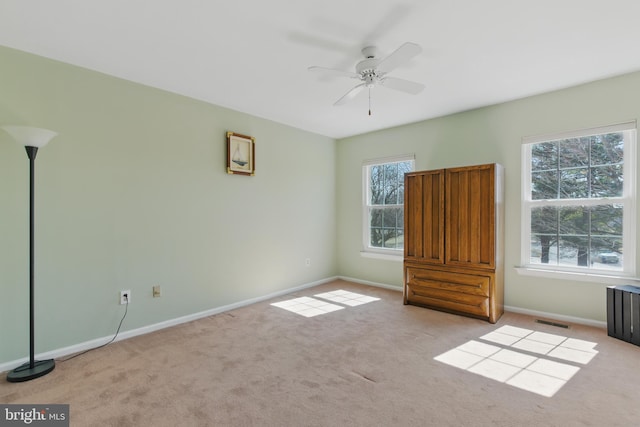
x: 453, y: 240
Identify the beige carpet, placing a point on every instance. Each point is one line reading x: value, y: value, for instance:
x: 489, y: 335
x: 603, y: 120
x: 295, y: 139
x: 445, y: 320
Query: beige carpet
x: 369, y: 365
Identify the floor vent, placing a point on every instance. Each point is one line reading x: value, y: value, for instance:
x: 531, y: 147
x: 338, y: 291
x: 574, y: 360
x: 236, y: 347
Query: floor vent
x: 546, y: 322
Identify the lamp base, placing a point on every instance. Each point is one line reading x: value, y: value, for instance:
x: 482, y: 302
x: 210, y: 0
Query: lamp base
x: 25, y: 373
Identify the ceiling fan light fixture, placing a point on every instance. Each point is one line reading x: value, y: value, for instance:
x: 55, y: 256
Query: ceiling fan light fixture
x: 371, y: 79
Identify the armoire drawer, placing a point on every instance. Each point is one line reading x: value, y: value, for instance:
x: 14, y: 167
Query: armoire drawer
x: 448, y: 281
x: 449, y: 301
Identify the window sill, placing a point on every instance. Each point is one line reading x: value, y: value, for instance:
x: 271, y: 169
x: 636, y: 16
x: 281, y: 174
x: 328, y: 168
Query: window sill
x: 610, y: 279
x: 384, y: 256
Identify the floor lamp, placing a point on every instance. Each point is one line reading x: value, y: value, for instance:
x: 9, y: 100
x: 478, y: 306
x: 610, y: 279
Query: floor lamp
x: 32, y: 139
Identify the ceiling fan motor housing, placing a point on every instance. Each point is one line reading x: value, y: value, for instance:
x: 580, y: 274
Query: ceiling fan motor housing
x: 369, y: 52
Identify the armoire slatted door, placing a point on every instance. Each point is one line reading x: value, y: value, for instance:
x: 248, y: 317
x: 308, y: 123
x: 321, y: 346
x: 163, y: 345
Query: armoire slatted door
x: 453, y: 254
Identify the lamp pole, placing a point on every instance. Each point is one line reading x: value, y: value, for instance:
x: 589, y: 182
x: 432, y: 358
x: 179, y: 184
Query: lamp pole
x: 31, y: 152
x: 32, y: 139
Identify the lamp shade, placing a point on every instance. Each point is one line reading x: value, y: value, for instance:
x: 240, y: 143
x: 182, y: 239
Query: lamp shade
x: 30, y: 136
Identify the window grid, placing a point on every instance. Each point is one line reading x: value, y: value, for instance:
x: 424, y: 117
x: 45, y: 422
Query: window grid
x: 384, y: 205
x: 575, y: 219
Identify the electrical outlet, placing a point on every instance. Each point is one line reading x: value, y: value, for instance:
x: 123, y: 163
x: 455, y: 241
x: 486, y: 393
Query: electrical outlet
x: 307, y: 262
x: 156, y: 291
x: 125, y: 297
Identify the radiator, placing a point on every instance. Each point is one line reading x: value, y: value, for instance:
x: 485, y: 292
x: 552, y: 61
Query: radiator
x: 623, y: 313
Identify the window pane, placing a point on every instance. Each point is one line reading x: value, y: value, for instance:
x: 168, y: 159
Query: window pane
x: 544, y: 220
x: 401, y: 189
x: 544, y: 185
x: 392, y: 228
x: 376, y: 237
x: 399, y: 238
x: 573, y: 152
x: 403, y: 167
x: 544, y: 156
x: 606, y: 244
x: 543, y: 249
x: 375, y: 217
x: 389, y: 218
x: 573, y: 251
x: 376, y: 184
x: 385, y: 237
x: 607, y: 253
x: 574, y: 183
x: 607, y: 149
x: 574, y: 221
x: 390, y: 238
x: 606, y: 220
x: 606, y: 181
x: 391, y: 184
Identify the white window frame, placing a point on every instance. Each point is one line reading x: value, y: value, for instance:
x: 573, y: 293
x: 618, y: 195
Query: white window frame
x: 368, y: 250
x: 627, y: 200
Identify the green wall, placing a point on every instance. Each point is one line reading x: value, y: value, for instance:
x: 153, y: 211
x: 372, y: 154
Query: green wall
x: 486, y: 135
x: 134, y: 193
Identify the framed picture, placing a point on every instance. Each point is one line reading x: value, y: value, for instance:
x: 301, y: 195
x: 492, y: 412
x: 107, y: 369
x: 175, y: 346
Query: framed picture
x: 241, y: 153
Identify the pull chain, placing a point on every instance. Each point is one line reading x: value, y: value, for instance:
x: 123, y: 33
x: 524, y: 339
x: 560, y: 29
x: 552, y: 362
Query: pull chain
x: 369, y: 101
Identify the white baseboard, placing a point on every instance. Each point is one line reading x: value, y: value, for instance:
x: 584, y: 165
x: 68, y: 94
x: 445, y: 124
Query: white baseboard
x: 65, y: 351
x: 555, y: 316
x: 376, y: 284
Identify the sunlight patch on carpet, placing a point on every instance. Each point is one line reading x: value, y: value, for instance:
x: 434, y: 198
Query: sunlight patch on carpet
x: 521, y: 358
x: 351, y: 299
x: 307, y: 307
x: 310, y: 307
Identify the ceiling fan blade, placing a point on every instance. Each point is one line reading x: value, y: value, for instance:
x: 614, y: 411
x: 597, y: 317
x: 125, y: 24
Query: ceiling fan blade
x: 401, y: 55
x: 403, y: 85
x: 333, y: 72
x: 350, y: 95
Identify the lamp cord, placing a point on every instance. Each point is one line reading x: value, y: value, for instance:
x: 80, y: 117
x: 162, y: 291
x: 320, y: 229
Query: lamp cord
x: 126, y: 308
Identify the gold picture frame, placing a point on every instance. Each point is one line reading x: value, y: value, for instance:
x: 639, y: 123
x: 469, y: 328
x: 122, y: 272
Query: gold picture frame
x: 241, y: 154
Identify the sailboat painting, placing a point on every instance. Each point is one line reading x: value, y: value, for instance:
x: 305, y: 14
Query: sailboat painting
x: 240, y: 154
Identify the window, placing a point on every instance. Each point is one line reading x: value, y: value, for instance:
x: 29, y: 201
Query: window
x: 383, y: 205
x: 579, y: 201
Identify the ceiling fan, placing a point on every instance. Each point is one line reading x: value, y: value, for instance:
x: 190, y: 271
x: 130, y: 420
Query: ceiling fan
x: 372, y: 72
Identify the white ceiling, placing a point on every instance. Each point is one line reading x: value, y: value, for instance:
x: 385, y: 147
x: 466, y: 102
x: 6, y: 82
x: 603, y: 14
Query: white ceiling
x: 252, y: 55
